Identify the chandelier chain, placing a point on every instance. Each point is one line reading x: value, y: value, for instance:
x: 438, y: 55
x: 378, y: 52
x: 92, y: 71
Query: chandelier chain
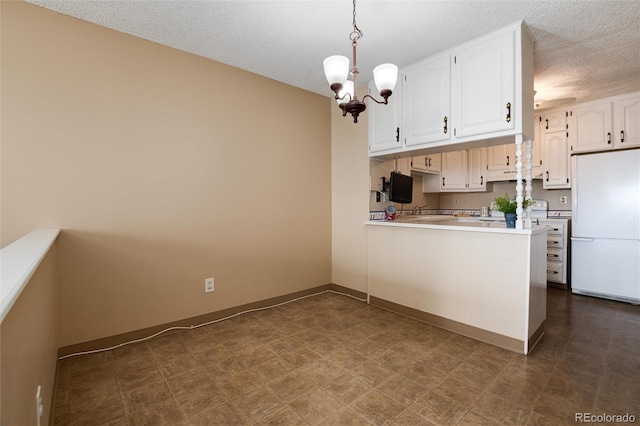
x: 357, y: 33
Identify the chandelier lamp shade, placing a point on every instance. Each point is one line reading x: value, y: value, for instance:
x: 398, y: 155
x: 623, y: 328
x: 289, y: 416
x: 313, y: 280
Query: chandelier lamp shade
x: 336, y: 69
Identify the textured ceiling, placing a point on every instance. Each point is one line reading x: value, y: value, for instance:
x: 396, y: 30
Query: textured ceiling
x: 584, y: 49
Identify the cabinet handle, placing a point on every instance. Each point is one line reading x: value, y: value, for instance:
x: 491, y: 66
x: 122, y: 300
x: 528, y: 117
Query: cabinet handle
x: 552, y: 255
x: 429, y: 161
x: 481, y: 180
x: 508, y: 112
x: 609, y: 138
x: 551, y: 272
x: 621, y: 136
x: 507, y: 160
x: 445, y: 125
x: 547, y: 175
x: 397, y: 134
x: 547, y: 127
x: 443, y: 181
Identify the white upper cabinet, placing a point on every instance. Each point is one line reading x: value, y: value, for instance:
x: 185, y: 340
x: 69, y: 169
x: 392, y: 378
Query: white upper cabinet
x: 553, y: 130
x: 453, y: 176
x: 502, y: 157
x: 476, y: 179
x: 384, y: 122
x: 462, y: 171
x: 554, y: 122
x: 626, y: 119
x: 557, y: 161
x: 426, y: 95
x: 426, y: 163
x: 477, y: 94
x: 590, y: 127
x: 501, y: 160
x: 484, y: 87
x: 611, y: 123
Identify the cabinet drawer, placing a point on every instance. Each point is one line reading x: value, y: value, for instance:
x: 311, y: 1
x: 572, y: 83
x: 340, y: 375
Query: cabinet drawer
x: 555, y: 272
x: 555, y: 241
x: 554, y: 254
x: 555, y: 228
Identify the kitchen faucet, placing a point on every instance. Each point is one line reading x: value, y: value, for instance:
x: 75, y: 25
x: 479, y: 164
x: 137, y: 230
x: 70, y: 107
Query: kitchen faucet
x: 418, y: 209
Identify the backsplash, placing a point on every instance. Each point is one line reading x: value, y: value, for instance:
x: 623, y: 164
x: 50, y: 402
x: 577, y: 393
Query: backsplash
x: 379, y: 214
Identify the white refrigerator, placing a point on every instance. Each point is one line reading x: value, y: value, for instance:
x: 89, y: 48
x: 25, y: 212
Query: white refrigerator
x: 605, y: 233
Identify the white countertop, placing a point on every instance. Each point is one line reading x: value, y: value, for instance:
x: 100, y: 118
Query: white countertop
x: 446, y: 222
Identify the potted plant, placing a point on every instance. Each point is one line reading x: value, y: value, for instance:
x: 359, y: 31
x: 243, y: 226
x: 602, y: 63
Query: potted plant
x: 508, y: 206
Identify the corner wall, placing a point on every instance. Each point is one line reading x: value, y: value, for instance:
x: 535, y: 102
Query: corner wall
x: 349, y: 198
x: 28, y: 348
x: 158, y: 175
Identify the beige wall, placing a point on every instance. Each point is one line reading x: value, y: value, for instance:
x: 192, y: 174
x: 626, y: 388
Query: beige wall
x: 350, y: 198
x: 28, y: 348
x: 162, y: 168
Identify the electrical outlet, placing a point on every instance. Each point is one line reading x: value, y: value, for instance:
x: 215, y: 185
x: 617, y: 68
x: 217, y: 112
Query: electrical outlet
x: 563, y: 199
x: 457, y: 201
x: 39, y: 407
x: 208, y: 285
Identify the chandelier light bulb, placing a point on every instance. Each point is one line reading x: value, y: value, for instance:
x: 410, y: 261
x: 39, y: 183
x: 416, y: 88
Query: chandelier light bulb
x: 385, y: 77
x: 336, y: 69
x: 346, y: 93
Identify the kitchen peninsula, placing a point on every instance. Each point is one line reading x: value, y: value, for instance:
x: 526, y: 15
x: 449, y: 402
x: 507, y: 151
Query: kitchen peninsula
x: 481, y: 280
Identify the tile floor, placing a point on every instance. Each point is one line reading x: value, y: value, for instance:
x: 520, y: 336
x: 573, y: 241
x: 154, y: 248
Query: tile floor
x: 332, y: 360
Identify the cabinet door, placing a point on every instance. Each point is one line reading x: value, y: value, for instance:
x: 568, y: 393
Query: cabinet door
x: 426, y: 163
x: 590, y: 128
x: 420, y: 163
x: 554, y: 122
x: 453, y: 176
x: 384, y: 122
x: 477, y: 169
x: 556, y: 161
x: 426, y: 102
x: 537, y: 157
x: 484, y: 87
x: 433, y: 163
x: 502, y: 157
x: 626, y: 115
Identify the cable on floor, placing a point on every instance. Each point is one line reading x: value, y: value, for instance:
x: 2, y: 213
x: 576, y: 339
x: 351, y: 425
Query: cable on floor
x: 191, y: 327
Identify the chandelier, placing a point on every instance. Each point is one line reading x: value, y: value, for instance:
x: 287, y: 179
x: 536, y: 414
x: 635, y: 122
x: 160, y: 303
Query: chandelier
x: 336, y: 69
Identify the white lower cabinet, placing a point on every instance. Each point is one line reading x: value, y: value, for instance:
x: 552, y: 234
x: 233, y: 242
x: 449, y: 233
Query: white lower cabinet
x: 557, y: 250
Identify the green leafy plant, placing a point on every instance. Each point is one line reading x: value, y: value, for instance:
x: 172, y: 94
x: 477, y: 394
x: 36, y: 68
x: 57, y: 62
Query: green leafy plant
x: 507, y: 204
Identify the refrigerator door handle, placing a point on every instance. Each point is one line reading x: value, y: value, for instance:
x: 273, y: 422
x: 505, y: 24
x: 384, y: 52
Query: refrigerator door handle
x: 587, y: 240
